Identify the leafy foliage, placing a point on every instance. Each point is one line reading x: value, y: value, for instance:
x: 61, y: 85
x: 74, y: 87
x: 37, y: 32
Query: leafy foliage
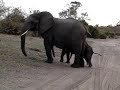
x: 3, y: 9
x: 12, y: 22
x: 71, y: 11
x: 94, y: 32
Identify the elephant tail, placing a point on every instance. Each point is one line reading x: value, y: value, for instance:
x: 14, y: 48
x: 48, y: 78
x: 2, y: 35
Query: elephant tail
x: 97, y: 54
x: 87, y: 31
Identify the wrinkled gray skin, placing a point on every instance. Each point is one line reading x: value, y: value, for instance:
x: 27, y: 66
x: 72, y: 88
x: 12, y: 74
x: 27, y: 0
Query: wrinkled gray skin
x: 56, y: 32
x: 87, y: 54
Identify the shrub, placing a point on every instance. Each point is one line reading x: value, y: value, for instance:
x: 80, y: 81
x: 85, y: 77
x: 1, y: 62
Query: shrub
x: 110, y: 34
x: 94, y: 32
x: 13, y: 22
x: 102, y: 36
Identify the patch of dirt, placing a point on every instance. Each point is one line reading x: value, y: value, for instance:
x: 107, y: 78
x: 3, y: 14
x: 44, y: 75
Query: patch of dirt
x: 18, y: 72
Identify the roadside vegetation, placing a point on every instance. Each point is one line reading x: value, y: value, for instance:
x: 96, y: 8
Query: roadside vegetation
x: 12, y: 19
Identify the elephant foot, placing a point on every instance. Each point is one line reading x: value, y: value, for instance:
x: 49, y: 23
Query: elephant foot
x: 61, y: 60
x: 90, y: 65
x: 81, y: 65
x: 75, y: 66
x: 67, y: 62
x: 49, y: 61
x: 87, y: 63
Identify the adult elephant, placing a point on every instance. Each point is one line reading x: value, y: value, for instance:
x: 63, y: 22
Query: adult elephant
x: 56, y: 32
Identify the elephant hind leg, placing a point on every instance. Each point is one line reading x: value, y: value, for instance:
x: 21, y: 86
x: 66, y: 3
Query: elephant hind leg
x: 67, y: 61
x: 68, y: 57
x: 76, y: 63
x: 90, y: 64
x: 88, y: 61
x: 81, y: 62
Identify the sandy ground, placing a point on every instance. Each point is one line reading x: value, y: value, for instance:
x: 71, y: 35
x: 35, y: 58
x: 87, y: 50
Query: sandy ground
x: 18, y: 72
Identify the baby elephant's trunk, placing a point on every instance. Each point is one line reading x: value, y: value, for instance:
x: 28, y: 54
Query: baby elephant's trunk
x: 97, y: 54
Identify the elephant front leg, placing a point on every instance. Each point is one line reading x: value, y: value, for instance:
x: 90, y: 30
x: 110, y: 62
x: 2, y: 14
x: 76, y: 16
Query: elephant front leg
x: 48, y: 48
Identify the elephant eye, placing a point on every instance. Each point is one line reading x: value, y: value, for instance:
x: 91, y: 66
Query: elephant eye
x: 31, y: 23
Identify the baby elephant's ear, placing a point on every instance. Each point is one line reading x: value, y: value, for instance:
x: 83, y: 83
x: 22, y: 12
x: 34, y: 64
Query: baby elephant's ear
x: 46, y: 21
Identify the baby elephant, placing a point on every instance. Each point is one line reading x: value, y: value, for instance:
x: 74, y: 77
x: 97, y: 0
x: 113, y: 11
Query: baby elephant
x: 87, y: 55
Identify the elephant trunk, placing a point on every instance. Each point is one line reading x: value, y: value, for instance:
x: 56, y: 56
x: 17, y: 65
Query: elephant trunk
x: 23, y: 43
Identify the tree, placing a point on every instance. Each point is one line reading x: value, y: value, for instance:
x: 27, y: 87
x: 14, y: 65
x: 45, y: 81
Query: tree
x: 12, y: 22
x: 3, y: 9
x: 118, y: 23
x: 16, y: 14
x: 94, y: 32
x: 71, y: 12
x: 84, y: 16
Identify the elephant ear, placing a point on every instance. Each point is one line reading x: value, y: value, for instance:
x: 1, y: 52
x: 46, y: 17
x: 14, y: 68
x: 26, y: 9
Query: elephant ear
x: 46, y: 22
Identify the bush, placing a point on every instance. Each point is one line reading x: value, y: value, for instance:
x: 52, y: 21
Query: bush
x: 94, y: 32
x: 13, y: 22
x: 102, y: 36
x: 110, y: 34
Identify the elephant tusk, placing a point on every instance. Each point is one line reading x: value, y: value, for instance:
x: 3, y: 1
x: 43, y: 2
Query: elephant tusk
x: 24, y: 33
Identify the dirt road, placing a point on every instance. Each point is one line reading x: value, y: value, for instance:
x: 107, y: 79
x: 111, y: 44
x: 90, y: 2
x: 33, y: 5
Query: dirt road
x: 32, y: 73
